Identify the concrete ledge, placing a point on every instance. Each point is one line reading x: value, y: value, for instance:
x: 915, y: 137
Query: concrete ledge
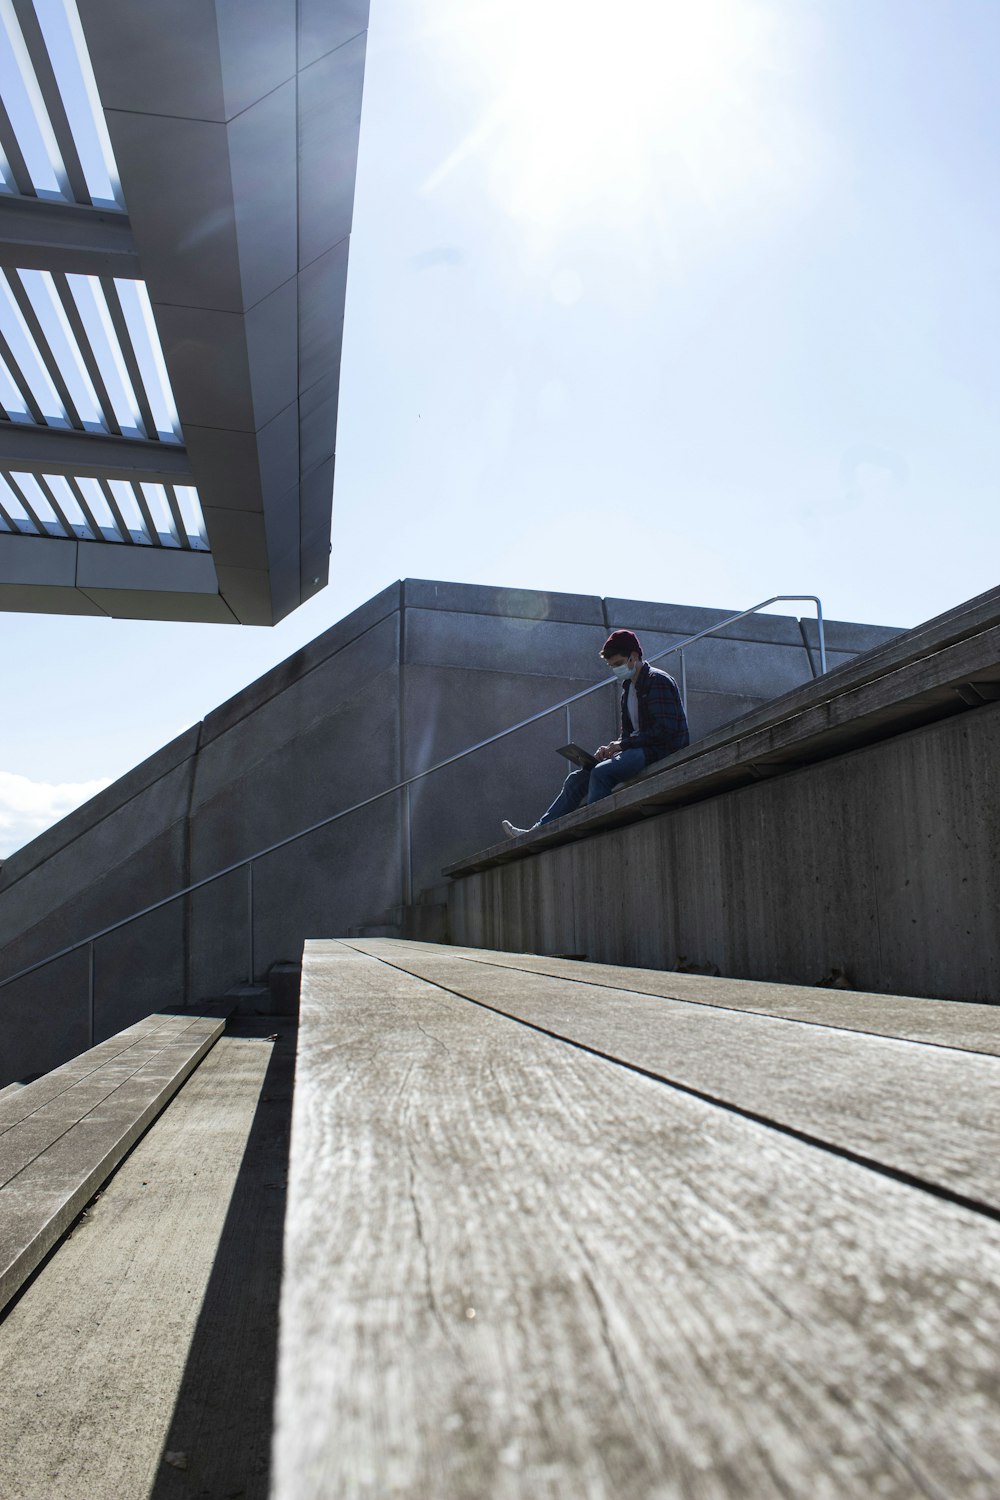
x: 505, y: 603
x: 62, y: 1136
x: 901, y: 687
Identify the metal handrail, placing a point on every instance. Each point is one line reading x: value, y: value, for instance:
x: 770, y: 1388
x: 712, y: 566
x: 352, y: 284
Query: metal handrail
x: 403, y: 786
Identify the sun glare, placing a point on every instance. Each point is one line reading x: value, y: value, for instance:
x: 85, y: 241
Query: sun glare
x: 589, y: 109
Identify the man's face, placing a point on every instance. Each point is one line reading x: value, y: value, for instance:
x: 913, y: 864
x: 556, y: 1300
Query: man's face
x: 617, y: 662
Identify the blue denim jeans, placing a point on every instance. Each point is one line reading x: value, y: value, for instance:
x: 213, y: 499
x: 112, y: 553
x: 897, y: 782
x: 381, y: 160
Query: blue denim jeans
x: 594, y: 784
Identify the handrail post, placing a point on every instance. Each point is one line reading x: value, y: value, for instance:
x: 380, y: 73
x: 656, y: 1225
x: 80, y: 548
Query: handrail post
x: 407, y: 847
x: 684, y: 681
x: 90, y: 992
x: 569, y: 727
x: 822, y: 636
x: 250, y: 952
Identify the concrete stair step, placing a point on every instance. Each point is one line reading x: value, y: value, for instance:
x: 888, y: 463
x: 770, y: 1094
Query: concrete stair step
x: 140, y: 1359
x: 62, y: 1136
x: 423, y: 921
x: 771, y: 1192
x: 250, y: 999
x: 283, y: 981
x: 277, y: 996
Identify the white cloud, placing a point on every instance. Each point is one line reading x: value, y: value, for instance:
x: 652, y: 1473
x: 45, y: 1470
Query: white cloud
x: 28, y: 807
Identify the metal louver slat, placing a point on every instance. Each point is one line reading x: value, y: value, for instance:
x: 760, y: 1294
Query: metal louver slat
x: 175, y: 511
x: 28, y: 113
x: 147, y: 515
x: 38, y: 53
x: 6, y: 516
x: 116, y: 511
x: 52, y: 367
x: 17, y: 375
x: 15, y: 158
x: 128, y: 354
x: 92, y: 521
x: 71, y: 528
x: 72, y: 312
x: 30, y: 510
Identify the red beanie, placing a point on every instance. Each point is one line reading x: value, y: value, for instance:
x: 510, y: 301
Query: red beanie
x: 621, y: 643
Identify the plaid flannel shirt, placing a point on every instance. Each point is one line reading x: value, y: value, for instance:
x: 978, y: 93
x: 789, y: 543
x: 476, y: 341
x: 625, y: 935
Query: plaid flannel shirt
x: 663, y: 725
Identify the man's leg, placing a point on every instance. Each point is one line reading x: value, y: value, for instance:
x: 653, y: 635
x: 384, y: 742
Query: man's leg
x: 611, y: 773
x: 574, y: 789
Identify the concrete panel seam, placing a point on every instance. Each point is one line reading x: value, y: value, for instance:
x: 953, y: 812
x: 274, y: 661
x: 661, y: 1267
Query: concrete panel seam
x: 328, y: 251
x: 106, y: 870
x: 450, y: 666
x: 305, y: 390
x: 155, y: 114
x: 86, y: 832
x: 249, y: 306
x: 323, y: 57
x: 487, y: 612
x: 493, y: 614
x: 252, y: 708
x: 106, y: 613
x: 234, y: 313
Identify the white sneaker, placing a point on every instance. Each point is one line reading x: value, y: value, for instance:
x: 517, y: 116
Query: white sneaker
x: 510, y: 830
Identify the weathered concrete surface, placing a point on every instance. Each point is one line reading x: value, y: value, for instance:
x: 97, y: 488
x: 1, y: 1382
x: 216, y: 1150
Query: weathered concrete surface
x: 420, y: 672
x: 882, y: 865
x: 152, y: 1330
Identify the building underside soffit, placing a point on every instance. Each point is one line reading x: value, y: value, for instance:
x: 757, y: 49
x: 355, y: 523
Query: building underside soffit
x: 79, y: 349
x: 175, y: 214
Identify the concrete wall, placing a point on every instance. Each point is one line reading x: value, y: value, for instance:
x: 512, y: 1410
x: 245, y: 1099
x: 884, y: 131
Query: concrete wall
x: 884, y: 863
x: 420, y: 672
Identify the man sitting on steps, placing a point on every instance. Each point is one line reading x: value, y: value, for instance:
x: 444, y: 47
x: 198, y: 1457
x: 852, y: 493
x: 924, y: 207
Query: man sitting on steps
x: 653, y: 724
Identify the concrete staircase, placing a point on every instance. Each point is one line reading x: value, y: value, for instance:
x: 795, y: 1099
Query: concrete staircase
x: 580, y: 1229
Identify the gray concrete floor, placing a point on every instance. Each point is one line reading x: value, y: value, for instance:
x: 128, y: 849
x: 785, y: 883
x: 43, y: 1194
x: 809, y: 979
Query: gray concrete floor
x: 139, y: 1362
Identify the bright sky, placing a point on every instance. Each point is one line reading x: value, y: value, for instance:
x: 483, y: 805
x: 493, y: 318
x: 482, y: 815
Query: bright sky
x: 670, y: 300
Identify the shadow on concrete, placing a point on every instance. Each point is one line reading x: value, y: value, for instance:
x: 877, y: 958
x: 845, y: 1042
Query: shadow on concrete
x: 219, y: 1440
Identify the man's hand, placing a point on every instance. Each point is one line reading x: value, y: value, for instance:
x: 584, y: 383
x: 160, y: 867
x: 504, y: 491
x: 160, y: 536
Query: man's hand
x: 605, y: 752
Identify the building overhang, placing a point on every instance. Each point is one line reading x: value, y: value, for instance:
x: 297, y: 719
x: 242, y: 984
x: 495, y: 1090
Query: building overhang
x: 170, y: 338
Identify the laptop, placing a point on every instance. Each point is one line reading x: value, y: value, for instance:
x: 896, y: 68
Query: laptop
x: 578, y: 756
